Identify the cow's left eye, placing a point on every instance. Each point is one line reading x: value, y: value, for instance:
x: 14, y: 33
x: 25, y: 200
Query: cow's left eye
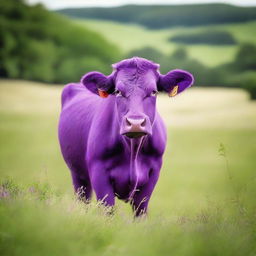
x: 118, y: 93
x: 154, y: 93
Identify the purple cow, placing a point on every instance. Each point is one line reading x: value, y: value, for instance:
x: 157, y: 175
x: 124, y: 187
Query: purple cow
x: 114, y: 144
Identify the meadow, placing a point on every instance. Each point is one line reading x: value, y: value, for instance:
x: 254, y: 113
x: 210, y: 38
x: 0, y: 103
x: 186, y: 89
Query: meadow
x: 132, y: 36
x: 204, y: 202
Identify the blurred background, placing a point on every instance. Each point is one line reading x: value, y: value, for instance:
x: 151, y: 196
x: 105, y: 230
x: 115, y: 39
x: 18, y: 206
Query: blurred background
x: 204, y: 202
x: 216, y: 42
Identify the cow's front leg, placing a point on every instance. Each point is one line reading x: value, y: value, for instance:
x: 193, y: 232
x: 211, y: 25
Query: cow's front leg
x: 141, y: 198
x: 82, y: 186
x: 101, y: 185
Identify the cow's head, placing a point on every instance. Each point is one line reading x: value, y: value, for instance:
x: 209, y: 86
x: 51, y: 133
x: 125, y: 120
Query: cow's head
x: 134, y: 84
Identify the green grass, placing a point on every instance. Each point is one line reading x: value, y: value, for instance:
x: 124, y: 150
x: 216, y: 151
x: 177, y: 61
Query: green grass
x: 199, y: 207
x: 130, y: 36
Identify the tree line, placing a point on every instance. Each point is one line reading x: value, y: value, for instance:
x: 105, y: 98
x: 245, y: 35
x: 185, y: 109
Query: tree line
x: 166, y: 16
x: 212, y: 37
x: 36, y: 44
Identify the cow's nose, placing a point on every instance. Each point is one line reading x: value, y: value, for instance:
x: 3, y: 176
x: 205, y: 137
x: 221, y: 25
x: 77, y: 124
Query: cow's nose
x: 135, y: 124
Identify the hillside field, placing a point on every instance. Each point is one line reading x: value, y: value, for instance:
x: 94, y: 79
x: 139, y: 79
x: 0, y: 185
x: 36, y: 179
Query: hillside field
x: 204, y: 202
x: 131, y: 36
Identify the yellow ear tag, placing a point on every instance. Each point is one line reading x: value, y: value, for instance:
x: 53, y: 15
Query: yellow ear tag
x: 102, y: 94
x: 174, y: 91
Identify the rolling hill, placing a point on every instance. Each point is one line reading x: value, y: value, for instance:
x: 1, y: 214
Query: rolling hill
x: 165, y: 16
x: 132, y: 36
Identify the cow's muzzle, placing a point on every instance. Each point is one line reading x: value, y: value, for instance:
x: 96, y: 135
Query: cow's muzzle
x: 136, y: 126
x: 133, y: 135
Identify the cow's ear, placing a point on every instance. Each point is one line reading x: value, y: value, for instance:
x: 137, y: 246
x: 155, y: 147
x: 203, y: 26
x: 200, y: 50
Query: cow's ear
x: 98, y: 83
x: 175, y: 81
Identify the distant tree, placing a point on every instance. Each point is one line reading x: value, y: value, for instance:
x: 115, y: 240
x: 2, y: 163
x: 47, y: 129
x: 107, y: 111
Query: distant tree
x: 246, y: 57
x: 180, y: 54
x: 148, y: 53
x: 249, y: 84
x: 74, y: 68
x: 211, y: 37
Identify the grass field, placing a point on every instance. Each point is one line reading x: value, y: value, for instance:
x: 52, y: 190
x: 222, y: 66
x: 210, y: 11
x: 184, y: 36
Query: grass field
x: 204, y: 202
x: 130, y: 36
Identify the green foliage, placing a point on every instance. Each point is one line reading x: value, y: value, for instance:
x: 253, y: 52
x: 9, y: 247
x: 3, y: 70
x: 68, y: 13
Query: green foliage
x: 37, y: 61
x: 241, y: 72
x: 210, y: 37
x: 41, y: 191
x: 246, y: 80
x: 147, y: 53
x: 165, y: 16
x: 246, y: 57
x: 250, y: 85
x: 38, y: 45
x: 180, y: 54
x: 8, y: 188
x: 76, y: 67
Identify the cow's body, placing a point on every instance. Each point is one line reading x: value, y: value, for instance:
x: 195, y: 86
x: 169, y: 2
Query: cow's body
x: 102, y: 159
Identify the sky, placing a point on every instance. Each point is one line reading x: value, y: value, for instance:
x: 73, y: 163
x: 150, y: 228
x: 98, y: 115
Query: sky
x: 59, y: 4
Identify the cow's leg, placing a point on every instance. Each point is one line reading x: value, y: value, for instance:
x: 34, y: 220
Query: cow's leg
x: 141, y: 198
x: 82, y: 187
x: 101, y: 185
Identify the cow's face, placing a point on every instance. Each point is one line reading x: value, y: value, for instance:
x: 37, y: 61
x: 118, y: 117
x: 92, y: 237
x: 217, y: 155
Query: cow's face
x: 135, y: 96
x: 134, y: 85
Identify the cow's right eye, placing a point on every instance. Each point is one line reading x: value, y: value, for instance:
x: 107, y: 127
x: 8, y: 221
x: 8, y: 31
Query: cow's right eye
x: 154, y: 93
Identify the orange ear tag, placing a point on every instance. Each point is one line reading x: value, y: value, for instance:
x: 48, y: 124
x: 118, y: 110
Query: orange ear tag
x: 174, y: 91
x: 102, y: 94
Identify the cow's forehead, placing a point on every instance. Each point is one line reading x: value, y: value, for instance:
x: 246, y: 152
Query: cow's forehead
x: 133, y: 77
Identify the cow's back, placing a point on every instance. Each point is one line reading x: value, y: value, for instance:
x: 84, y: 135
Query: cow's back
x: 79, y: 107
